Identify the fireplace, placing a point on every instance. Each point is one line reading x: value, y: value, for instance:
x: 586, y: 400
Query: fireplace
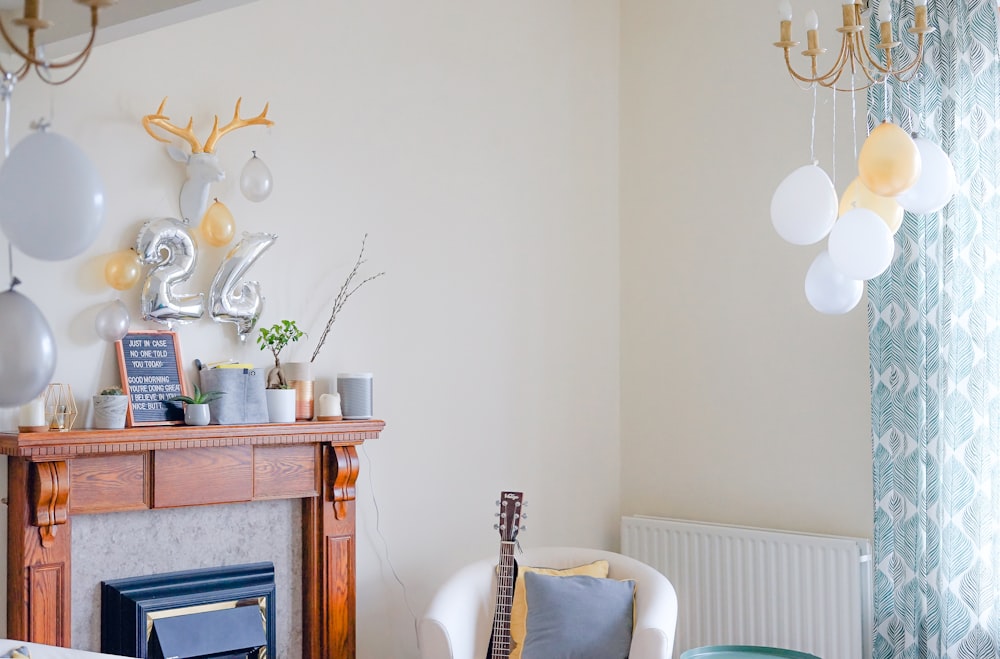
x: 218, y: 613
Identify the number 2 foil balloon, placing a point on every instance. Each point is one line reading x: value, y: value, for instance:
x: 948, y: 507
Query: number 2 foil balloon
x: 167, y: 244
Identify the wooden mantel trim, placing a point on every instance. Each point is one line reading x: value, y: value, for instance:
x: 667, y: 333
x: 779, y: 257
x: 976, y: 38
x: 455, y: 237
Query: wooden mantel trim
x: 120, y: 470
x: 58, y: 445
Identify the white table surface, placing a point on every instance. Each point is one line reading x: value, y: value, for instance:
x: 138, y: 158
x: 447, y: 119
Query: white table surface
x: 49, y: 651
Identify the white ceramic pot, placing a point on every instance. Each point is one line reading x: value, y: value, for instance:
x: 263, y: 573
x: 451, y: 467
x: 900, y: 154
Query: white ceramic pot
x: 110, y: 411
x: 197, y: 414
x: 280, y: 405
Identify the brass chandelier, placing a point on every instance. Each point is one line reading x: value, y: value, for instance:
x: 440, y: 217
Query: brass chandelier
x: 855, y: 56
x: 32, y: 21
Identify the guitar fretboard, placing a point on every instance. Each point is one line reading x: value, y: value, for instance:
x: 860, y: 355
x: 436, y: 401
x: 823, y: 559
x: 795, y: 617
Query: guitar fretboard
x: 505, y: 597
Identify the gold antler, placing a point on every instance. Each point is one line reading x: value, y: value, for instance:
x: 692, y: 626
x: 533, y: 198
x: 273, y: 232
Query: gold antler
x: 160, y: 120
x: 236, y: 122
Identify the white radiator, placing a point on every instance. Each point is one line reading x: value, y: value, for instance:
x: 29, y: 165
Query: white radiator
x: 746, y: 586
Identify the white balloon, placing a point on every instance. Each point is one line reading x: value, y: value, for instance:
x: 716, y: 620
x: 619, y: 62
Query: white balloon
x: 828, y: 290
x: 112, y: 321
x: 861, y: 244
x: 255, y: 180
x: 804, y: 206
x: 27, y: 350
x: 936, y: 185
x: 51, y: 197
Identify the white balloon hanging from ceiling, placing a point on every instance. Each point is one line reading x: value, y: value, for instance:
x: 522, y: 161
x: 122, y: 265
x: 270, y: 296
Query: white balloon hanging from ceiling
x: 804, y: 206
x: 51, y: 197
x: 828, y: 290
x: 937, y: 183
x: 860, y: 244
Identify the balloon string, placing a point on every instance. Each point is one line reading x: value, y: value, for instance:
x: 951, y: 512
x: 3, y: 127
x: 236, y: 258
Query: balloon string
x: 833, y: 166
x: 812, y: 136
x: 854, y: 119
x: 6, y: 91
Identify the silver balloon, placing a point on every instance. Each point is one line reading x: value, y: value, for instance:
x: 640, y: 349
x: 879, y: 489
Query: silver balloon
x: 167, y: 243
x: 231, y: 300
x: 51, y: 197
x: 27, y: 350
x: 112, y: 321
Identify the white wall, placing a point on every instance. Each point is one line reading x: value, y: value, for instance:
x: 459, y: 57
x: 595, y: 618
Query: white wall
x: 740, y: 404
x: 477, y: 144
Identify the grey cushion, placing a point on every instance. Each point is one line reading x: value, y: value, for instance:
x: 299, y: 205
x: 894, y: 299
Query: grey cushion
x: 577, y: 617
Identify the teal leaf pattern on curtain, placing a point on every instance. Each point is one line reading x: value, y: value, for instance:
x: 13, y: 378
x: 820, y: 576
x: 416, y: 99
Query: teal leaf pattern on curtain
x: 934, y: 341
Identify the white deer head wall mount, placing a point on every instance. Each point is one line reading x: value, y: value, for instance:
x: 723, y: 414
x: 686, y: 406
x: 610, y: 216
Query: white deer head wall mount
x: 203, y: 166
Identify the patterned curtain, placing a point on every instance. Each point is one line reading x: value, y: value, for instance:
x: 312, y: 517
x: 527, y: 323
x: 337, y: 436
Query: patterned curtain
x: 935, y: 349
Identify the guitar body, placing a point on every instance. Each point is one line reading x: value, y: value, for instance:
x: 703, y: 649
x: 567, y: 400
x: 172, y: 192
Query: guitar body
x: 509, y: 525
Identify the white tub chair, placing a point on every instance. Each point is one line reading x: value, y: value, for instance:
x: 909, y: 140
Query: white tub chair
x: 459, y: 619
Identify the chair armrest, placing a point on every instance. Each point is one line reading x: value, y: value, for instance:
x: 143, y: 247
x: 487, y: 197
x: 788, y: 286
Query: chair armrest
x: 459, y: 619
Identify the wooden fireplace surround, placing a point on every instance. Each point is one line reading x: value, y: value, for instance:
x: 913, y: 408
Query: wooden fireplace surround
x: 55, y: 475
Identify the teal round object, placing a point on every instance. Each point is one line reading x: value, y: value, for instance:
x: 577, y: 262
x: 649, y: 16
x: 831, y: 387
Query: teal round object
x: 743, y: 652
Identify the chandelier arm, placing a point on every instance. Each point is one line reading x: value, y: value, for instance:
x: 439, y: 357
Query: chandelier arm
x: 44, y: 76
x: 32, y: 60
x: 861, y: 64
x: 886, y: 70
x: 25, y: 67
x: 837, y: 66
x: 913, y: 66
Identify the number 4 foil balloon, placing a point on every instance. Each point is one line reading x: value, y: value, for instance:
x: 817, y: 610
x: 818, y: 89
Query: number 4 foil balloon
x: 232, y: 300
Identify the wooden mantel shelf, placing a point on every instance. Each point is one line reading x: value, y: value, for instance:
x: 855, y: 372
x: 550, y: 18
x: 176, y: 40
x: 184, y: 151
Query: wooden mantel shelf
x: 53, y: 476
x: 57, y: 445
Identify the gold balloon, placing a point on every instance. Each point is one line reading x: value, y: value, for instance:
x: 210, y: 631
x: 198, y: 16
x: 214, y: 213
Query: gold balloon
x: 122, y: 269
x: 889, y: 162
x: 858, y: 196
x: 218, y: 226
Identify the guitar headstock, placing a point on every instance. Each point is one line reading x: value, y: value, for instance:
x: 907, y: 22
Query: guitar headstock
x: 510, y: 515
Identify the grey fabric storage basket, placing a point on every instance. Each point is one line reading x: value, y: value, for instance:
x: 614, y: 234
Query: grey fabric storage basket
x: 243, y: 400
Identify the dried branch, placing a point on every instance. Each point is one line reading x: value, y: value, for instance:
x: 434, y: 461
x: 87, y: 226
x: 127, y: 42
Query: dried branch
x: 344, y: 294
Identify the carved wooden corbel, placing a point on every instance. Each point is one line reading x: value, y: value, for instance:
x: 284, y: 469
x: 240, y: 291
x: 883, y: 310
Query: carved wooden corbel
x: 49, y: 498
x: 343, y: 474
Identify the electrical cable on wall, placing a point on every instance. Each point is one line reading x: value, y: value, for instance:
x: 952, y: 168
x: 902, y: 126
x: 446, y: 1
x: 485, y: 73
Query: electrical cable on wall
x: 385, y: 544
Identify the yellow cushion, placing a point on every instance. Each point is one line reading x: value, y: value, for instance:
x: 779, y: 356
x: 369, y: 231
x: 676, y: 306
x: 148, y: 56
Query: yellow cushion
x: 519, y: 605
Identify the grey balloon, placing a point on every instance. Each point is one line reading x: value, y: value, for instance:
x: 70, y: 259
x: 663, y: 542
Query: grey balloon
x: 112, y: 321
x: 167, y: 243
x: 232, y: 300
x: 27, y: 350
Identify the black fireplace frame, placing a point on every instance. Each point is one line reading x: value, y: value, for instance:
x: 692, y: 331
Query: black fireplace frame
x: 126, y: 602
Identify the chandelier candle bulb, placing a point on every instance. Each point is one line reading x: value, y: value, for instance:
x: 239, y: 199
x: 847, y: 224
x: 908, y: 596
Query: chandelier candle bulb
x: 785, y: 11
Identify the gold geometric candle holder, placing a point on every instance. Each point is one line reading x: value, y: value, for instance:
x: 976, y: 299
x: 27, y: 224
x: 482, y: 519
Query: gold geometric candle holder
x: 60, y: 407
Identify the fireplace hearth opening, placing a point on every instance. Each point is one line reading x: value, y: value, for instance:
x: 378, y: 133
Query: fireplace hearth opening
x: 215, y: 613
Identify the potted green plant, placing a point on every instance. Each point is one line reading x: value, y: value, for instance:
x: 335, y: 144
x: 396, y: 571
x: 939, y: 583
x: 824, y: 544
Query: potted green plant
x: 110, y: 408
x: 196, y: 412
x: 280, y: 398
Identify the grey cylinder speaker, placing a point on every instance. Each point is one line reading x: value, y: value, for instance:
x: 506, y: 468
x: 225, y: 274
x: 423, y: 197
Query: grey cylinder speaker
x: 355, y: 391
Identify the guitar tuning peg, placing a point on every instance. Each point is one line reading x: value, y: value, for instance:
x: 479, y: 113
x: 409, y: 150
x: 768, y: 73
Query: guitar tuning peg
x: 497, y: 502
x: 523, y: 528
x: 496, y: 527
x: 496, y: 514
x: 524, y: 515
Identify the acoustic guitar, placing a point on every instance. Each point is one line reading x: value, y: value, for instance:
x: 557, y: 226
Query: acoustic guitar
x: 510, y: 523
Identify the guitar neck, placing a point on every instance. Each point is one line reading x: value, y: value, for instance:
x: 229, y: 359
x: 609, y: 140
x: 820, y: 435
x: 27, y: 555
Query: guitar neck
x: 505, y: 597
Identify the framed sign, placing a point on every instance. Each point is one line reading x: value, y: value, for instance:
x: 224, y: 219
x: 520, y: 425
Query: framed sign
x: 150, y: 365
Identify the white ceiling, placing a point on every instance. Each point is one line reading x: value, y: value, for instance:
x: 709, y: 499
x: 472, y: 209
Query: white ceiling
x: 126, y: 18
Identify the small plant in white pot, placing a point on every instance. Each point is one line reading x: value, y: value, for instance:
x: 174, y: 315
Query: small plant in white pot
x: 196, y: 411
x: 280, y: 397
x: 110, y: 408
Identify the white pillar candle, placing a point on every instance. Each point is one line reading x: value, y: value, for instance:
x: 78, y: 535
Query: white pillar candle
x: 329, y: 405
x: 32, y: 413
